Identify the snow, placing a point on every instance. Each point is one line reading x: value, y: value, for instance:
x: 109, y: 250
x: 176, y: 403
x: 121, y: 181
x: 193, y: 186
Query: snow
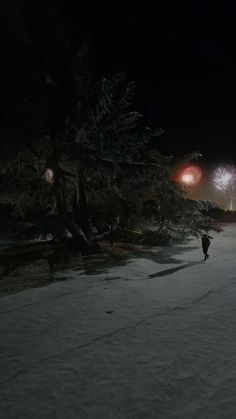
x: 143, y: 340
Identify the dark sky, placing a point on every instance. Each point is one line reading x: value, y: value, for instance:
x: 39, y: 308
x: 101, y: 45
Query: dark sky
x: 184, y: 62
x: 182, y: 57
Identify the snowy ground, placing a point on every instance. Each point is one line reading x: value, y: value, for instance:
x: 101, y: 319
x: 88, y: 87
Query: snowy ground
x: 143, y: 340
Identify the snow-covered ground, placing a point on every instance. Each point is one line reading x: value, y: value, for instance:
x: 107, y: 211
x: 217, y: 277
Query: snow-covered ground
x: 143, y: 340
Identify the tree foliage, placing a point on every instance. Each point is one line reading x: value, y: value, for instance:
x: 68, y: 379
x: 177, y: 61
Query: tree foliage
x: 66, y: 119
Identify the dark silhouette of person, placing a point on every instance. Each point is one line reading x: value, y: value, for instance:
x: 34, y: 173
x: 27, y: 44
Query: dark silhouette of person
x: 205, y: 245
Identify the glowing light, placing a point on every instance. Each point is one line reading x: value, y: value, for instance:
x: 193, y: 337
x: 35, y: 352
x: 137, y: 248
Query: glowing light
x: 190, y: 175
x: 49, y: 176
x: 188, y: 178
x: 224, y: 178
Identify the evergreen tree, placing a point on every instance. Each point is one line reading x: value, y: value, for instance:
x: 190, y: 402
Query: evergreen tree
x: 70, y: 137
x: 100, y: 148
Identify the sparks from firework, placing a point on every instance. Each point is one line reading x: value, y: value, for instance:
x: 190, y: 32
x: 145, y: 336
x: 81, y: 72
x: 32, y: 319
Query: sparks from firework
x: 190, y: 175
x: 224, y: 178
x: 188, y: 178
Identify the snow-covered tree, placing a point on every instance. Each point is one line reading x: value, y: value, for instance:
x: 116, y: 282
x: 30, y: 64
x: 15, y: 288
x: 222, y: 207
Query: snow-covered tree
x: 97, y: 147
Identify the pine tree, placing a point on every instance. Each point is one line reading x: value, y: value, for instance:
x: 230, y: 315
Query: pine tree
x: 99, y: 147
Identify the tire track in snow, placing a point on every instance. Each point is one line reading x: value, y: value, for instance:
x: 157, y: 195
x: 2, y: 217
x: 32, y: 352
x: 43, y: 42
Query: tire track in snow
x: 65, y: 294
x: 158, y: 274
x: 165, y: 312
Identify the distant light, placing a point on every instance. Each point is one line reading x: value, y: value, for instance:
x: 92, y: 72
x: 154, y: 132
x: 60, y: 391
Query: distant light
x: 188, y: 178
x: 49, y: 175
x: 190, y: 175
x: 224, y: 177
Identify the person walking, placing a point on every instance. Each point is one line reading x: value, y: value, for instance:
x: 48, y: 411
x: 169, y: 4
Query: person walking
x: 205, y: 245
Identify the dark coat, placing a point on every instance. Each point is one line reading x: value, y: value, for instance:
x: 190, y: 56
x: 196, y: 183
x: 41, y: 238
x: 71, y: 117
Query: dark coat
x: 205, y: 242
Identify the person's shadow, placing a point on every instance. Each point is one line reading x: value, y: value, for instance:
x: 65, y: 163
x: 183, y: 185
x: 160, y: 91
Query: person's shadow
x: 173, y: 270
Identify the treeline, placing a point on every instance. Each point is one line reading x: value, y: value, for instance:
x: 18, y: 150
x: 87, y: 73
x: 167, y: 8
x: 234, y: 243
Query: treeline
x: 222, y: 215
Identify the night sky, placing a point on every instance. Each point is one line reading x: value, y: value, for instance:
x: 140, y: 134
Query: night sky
x: 184, y: 62
x: 182, y: 57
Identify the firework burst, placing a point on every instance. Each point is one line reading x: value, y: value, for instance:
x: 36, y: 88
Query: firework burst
x: 224, y: 178
x: 190, y: 175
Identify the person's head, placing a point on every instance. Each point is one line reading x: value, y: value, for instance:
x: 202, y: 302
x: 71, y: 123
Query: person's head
x: 204, y: 235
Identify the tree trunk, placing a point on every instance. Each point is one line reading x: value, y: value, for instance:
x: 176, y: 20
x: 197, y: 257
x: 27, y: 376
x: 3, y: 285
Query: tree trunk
x: 80, y: 238
x: 81, y: 212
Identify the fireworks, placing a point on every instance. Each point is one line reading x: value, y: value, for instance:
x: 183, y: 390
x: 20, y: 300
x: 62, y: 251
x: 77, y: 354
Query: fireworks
x: 188, y: 178
x: 190, y: 175
x: 224, y: 178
